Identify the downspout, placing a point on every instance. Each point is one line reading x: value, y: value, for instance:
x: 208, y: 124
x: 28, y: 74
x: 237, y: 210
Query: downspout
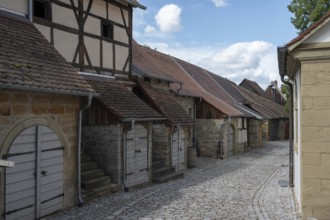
x: 282, y: 53
x: 124, y: 157
x: 220, y: 152
x: 195, y: 126
x: 30, y: 10
x: 79, y: 196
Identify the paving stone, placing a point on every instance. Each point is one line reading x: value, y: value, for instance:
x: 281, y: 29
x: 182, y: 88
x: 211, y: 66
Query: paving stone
x: 245, y: 186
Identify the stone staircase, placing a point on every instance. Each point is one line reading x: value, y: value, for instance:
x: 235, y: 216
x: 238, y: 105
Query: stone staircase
x: 162, y: 173
x: 94, y: 182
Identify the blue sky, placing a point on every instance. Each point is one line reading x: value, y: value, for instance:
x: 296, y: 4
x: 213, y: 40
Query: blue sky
x: 236, y: 39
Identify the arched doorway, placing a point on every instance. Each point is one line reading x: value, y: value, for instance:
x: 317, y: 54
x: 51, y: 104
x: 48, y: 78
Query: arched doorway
x: 34, y: 187
x: 178, y: 149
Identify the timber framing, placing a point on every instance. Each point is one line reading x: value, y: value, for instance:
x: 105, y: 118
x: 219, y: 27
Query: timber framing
x: 108, y: 61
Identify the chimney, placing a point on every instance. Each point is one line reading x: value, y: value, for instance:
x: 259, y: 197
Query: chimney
x: 275, y: 82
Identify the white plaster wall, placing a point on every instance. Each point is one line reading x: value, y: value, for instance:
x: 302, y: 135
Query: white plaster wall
x: 98, y: 8
x: 321, y: 36
x: 20, y: 6
x: 66, y: 43
x: 93, y: 26
x: 43, y: 30
x: 121, y: 56
x: 93, y: 50
x: 107, y: 55
x: 297, y: 155
x: 115, y: 14
x: 120, y: 34
x: 64, y: 16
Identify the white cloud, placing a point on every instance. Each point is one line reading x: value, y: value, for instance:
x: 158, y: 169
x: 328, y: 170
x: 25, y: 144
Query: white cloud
x: 168, y: 18
x: 150, y: 29
x: 256, y: 60
x: 220, y: 3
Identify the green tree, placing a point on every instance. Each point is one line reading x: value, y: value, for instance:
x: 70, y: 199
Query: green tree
x: 307, y: 12
x: 285, y: 91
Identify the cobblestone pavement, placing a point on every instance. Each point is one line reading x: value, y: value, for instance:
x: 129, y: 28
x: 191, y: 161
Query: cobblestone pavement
x: 252, y: 185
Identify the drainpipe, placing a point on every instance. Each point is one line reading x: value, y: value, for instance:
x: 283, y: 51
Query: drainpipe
x: 124, y: 158
x: 220, y: 153
x: 195, y: 126
x: 30, y: 10
x: 282, y: 56
x: 79, y: 196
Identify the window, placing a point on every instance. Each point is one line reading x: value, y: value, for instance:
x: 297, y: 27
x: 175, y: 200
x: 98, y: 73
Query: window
x: 41, y: 9
x: 107, y: 30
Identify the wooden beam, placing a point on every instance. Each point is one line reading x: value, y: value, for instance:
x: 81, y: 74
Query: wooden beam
x: 6, y: 163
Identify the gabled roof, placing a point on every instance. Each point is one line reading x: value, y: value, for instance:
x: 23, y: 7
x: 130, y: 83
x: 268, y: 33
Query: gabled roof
x: 165, y: 102
x: 29, y: 62
x: 133, y: 3
x: 156, y: 64
x: 204, y: 78
x: 253, y: 87
x: 117, y: 98
x: 266, y: 107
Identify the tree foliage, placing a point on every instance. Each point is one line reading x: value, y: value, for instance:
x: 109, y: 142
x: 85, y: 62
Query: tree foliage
x: 307, y: 12
x: 285, y: 91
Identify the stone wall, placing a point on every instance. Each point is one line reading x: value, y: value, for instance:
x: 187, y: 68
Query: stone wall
x: 20, y: 110
x: 281, y: 129
x: 208, y: 136
x: 315, y: 139
x: 255, y: 132
x: 103, y: 144
x: 161, y: 139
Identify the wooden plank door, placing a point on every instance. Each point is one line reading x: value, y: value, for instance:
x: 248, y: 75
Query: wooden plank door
x: 34, y: 186
x: 178, y: 149
x: 230, y: 138
x: 136, y: 156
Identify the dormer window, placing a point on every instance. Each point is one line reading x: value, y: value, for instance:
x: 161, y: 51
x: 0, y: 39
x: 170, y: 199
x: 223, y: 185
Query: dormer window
x: 41, y: 9
x: 107, y: 30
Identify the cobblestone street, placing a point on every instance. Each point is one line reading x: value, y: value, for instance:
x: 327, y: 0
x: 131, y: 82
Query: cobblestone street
x: 253, y: 185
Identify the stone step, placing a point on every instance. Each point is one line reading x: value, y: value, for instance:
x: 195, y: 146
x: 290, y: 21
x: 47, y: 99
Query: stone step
x: 91, y: 174
x: 90, y: 185
x: 162, y: 171
x: 85, y: 158
x: 157, y: 164
x: 97, y: 192
x: 168, y: 177
x: 87, y: 166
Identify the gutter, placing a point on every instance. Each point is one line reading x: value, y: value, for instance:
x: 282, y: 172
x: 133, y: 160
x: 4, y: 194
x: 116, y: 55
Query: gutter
x: 79, y: 196
x: 195, y: 126
x: 282, y: 53
x: 220, y: 150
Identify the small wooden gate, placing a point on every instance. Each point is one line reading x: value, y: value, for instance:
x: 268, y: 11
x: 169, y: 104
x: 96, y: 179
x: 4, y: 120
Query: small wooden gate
x: 178, y: 149
x: 136, y: 156
x: 230, y: 139
x: 34, y: 187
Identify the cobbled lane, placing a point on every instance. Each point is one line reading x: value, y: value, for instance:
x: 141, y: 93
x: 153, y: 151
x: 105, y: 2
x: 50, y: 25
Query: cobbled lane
x: 253, y: 185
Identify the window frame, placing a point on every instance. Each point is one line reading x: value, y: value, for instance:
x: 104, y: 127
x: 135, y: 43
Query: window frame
x: 110, y: 32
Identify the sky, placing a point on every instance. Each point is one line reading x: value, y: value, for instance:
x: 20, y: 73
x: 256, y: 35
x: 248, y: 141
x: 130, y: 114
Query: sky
x: 235, y: 39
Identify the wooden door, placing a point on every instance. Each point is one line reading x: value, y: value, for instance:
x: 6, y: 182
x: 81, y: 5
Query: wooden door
x: 178, y: 149
x: 136, y: 156
x: 34, y: 187
x: 230, y: 138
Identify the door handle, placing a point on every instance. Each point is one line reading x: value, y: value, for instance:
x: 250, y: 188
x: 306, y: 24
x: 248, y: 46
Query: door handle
x: 44, y: 172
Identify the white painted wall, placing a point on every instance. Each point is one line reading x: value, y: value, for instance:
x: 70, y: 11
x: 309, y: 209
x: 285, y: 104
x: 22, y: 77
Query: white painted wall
x: 321, y: 36
x: 297, y: 140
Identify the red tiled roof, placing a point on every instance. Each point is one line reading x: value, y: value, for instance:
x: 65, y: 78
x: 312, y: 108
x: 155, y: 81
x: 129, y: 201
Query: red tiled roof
x: 254, y: 86
x: 121, y: 101
x: 165, y: 102
x: 309, y: 30
x: 29, y: 61
x: 159, y: 65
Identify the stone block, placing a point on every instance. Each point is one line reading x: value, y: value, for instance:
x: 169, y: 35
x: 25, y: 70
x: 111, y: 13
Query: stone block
x: 311, y: 158
x: 312, y: 186
x: 56, y: 109
x: 325, y: 186
x: 321, y: 213
x: 5, y: 110
x: 4, y: 97
x: 314, y: 147
x: 325, y: 160
x: 19, y: 98
x: 39, y: 109
x: 311, y: 134
x: 307, y: 102
x: 312, y: 171
x: 19, y: 109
